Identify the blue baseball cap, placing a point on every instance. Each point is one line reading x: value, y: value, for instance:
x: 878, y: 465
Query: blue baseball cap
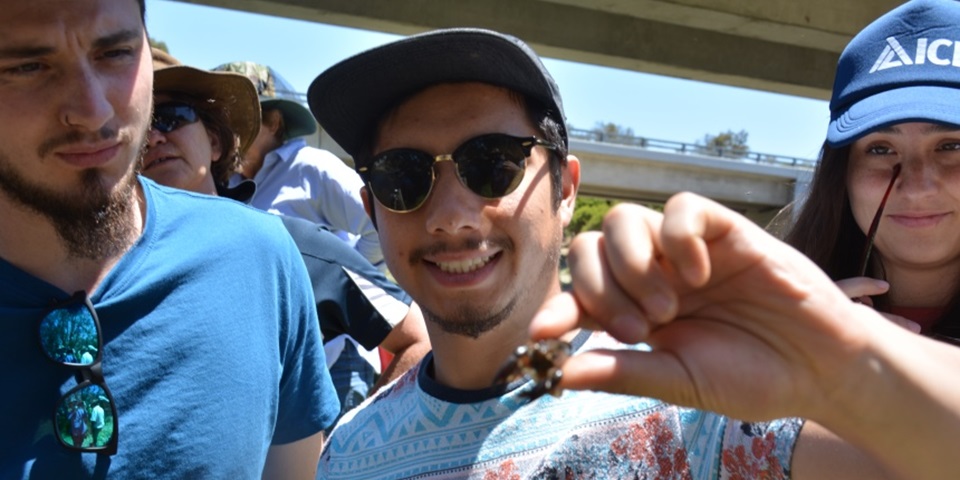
x: 905, y: 66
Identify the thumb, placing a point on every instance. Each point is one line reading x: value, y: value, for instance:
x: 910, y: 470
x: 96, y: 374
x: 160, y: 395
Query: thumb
x: 641, y: 373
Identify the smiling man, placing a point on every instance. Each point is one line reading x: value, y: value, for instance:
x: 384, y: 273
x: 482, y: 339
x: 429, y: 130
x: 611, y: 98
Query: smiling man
x: 117, y: 294
x: 460, y: 138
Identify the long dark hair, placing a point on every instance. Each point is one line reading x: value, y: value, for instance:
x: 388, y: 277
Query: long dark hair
x: 827, y: 233
x: 824, y: 228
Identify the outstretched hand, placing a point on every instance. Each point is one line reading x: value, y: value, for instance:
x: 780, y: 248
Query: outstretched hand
x: 738, y: 322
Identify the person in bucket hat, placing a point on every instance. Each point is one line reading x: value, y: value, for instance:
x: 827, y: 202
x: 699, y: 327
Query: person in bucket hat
x: 359, y: 309
x: 882, y: 216
x: 294, y: 178
x: 460, y: 137
x: 226, y: 106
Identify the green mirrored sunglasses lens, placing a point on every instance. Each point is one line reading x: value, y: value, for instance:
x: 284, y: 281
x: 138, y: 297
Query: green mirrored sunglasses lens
x: 85, y: 418
x: 69, y: 335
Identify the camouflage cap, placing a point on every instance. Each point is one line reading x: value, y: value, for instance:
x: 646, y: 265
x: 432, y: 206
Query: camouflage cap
x: 275, y: 92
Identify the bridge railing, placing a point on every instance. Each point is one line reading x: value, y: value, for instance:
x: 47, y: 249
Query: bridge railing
x: 692, y: 149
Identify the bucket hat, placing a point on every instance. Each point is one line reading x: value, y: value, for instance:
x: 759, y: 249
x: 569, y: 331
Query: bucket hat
x: 231, y: 91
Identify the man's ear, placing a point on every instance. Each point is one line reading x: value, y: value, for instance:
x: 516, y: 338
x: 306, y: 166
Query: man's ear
x: 570, y: 183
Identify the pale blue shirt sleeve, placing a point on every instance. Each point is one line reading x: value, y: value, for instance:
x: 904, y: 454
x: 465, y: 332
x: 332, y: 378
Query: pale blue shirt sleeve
x: 339, y: 198
x: 305, y: 182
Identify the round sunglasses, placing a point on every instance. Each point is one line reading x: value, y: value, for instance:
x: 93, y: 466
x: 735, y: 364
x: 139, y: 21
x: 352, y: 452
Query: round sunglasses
x: 491, y: 165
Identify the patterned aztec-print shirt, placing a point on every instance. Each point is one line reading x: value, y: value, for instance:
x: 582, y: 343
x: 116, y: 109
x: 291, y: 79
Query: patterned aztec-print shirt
x: 417, y: 428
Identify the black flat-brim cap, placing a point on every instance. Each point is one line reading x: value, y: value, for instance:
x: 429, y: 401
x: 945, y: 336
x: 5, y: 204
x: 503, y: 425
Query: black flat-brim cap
x: 349, y: 98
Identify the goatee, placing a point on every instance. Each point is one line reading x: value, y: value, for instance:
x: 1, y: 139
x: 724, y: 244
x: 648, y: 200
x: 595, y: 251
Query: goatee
x: 470, y: 321
x: 94, y: 221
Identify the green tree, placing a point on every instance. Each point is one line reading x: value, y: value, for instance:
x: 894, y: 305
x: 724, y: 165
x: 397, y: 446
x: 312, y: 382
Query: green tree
x: 588, y: 214
x: 726, y: 144
x: 609, y: 129
x: 159, y: 44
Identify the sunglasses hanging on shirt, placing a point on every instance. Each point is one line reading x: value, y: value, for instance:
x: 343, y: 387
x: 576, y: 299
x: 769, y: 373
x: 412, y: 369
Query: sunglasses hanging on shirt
x: 85, y: 418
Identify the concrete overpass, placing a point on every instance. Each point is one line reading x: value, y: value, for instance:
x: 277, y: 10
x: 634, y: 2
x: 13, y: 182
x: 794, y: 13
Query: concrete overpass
x: 784, y: 46
x: 649, y: 170
x: 757, y: 186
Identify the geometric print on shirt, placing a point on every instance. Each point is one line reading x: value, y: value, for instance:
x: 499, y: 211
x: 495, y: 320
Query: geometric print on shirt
x: 416, y: 428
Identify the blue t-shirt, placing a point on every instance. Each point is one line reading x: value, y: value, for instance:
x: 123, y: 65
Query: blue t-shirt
x: 417, y: 428
x: 211, y: 349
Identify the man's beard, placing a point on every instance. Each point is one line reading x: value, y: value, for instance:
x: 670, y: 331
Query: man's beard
x: 470, y: 321
x: 93, y: 222
x: 474, y: 320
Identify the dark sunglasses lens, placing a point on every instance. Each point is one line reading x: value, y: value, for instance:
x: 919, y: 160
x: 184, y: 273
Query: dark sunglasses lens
x: 492, y: 165
x: 86, y: 418
x: 69, y: 335
x: 169, y: 117
x: 401, y: 179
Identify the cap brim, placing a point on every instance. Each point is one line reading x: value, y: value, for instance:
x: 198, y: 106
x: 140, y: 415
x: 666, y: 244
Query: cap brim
x: 296, y: 117
x: 349, y: 98
x: 234, y: 93
x: 907, y: 104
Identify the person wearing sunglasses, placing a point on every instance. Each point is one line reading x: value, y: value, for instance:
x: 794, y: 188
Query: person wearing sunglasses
x: 122, y: 294
x: 459, y: 136
x: 881, y: 216
x: 294, y: 178
x: 198, y: 112
x: 201, y: 123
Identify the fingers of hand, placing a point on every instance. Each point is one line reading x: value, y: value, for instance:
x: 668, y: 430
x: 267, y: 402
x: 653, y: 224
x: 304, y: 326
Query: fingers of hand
x: 857, y: 287
x: 687, y: 221
x: 902, y: 322
x: 599, y: 299
x: 630, y: 248
x: 559, y: 315
x: 650, y: 374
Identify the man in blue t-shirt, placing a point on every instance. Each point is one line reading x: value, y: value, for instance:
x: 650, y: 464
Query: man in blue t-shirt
x: 200, y: 339
x: 360, y: 310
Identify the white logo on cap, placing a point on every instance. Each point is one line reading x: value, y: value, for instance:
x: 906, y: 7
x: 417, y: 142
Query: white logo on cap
x: 894, y: 55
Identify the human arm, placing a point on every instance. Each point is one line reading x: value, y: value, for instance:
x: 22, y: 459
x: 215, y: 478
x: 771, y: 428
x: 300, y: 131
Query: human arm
x: 294, y: 460
x: 408, y: 342
x: 741, y: 324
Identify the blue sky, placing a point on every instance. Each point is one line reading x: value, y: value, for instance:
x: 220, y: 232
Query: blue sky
x: 653, y: 106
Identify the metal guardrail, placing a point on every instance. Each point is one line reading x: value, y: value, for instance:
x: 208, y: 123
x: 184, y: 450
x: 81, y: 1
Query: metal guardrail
x: 655, y: 144
x: 692, y: 149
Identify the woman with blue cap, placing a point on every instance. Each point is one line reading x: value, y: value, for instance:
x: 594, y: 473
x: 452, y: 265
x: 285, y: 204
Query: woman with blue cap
x: 883, y: 212
x: 732, y: 296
